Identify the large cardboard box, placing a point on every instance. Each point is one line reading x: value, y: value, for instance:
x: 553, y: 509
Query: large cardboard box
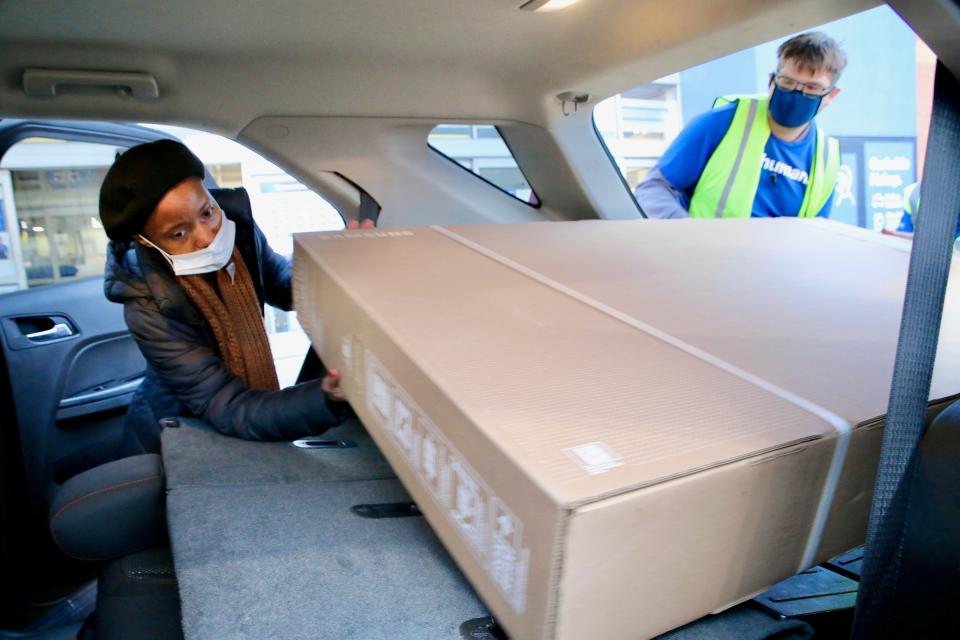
x: 618, y: 427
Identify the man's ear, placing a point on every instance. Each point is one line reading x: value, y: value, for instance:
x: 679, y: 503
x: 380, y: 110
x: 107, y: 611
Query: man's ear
x: 827, y: 99
x: 140, y: 241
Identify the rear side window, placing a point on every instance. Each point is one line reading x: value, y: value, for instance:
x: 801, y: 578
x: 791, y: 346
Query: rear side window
x: 480, y: 149
x: 281, y: 206
x: 879, y: 119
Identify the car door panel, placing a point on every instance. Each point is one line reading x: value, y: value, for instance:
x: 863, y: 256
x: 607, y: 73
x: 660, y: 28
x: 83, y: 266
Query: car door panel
x: 100, y: 377
x: 70, y: 362
x: 70, y: 389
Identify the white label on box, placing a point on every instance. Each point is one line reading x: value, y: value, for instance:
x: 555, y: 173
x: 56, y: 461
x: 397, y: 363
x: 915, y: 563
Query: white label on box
x: 508, y: 558
x: 492, y: 531
x: 403, y: 430
x: 379, y: 398
x: 594, y: 457
x: 346, y: 352
x: 468, y: 505
x: 429, y: 462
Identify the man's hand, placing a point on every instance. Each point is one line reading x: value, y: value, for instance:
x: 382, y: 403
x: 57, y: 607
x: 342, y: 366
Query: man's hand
x: 898, y: 234
x: 331, y: 386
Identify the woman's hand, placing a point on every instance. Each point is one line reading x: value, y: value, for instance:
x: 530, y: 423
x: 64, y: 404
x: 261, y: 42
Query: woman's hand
x: 331, y: 386
x: 366, y: 224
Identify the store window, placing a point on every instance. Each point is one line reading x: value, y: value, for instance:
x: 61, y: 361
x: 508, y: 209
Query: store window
x: 51, y: 223
x: 480, y: 149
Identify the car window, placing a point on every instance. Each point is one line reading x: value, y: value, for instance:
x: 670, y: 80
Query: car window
x: 50, y: 228
x: 282, y: 206
x: 880, y: 117
x: 480, y: 149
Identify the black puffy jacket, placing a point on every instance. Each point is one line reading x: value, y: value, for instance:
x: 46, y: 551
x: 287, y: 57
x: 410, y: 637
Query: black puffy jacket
x: 185, y: 374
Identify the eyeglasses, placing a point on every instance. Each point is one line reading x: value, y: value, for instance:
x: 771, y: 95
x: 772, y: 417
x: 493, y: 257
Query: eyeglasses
x: 809, y: 89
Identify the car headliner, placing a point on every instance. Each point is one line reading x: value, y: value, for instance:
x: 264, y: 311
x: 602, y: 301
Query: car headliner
x: 223, y: 63
x: 329, y: 88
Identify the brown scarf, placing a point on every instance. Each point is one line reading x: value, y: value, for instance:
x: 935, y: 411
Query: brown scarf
x: 237, y: 322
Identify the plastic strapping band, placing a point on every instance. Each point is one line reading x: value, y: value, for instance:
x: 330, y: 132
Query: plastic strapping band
x: 841, y: 426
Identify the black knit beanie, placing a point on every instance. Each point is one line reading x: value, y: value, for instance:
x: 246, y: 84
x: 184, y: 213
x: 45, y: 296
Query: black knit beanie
x: 138, y: 180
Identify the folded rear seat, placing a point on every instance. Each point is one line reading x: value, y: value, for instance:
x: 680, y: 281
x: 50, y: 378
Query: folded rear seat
x: 196, y: 455
x: 275, y: 541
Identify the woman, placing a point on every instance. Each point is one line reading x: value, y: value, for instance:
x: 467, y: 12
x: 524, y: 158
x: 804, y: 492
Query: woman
x: 193, y: 282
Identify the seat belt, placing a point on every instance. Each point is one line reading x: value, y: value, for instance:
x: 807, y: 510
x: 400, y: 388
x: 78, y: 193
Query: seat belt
x: 877, y: 612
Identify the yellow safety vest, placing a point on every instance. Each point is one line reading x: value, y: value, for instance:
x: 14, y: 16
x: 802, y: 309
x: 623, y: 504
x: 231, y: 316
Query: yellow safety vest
x: 728, y: 184
x: 911, y: 200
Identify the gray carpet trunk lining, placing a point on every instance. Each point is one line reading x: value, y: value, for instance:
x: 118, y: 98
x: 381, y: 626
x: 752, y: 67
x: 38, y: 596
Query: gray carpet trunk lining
x: 266, y: 546
x: 194, y: 455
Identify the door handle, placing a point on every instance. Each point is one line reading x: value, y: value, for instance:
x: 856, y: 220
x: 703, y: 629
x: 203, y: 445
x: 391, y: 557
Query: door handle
x: 59, y: 330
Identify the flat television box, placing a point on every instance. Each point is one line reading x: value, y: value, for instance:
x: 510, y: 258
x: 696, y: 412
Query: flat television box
x: 618, y: 427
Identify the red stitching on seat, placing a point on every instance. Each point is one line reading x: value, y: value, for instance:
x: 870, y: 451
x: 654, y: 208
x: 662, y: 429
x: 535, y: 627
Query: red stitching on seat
x: 73, y: 502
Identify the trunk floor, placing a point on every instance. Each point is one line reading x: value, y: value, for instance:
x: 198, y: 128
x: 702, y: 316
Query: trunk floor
x: 279, y: 554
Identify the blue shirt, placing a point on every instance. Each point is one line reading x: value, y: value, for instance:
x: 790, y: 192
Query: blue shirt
x: 906, y: 224
x: 783, y: 175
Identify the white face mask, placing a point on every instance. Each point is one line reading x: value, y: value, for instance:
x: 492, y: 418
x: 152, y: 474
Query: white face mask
x: 207, y: 260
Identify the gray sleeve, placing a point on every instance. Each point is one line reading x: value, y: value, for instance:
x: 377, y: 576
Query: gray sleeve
x: 658, y: 198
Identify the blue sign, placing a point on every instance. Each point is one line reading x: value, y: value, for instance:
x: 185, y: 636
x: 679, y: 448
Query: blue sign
x: 846, y: 205
x: 888, y: 169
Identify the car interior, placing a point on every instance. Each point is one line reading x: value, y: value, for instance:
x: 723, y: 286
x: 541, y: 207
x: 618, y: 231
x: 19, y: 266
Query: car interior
x: 342, y: 97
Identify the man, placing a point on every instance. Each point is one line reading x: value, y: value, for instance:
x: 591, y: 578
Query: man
x: 193, y: 282
x: 911, y: 209
x: 759, y: 156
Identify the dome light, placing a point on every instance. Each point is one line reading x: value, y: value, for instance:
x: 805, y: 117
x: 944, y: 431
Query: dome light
x: 547, y: 5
